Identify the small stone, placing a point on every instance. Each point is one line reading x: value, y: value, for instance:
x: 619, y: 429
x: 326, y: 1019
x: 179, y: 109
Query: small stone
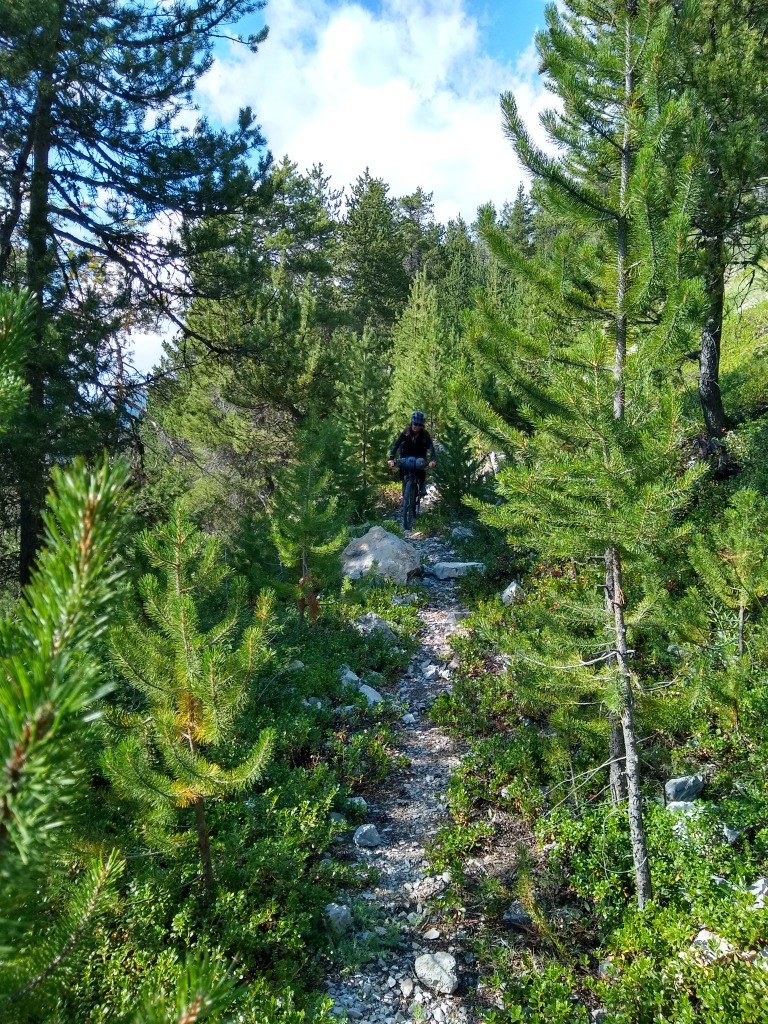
x: 372, y: 624
x: 598, y: 1016
x: 312, y: 702
x: 348, y: 677
x: 517, y: 917
x: 391, y: 982
x: 406, y: 987
x: 438, y: 972
x: 453, y: 570
x: 455, y: 617
x: 404, y: 600
x: 513, y: 594
x: 358, y: 802
x: 338, y: 818
x: 432, y: 934
x: 295, y: 666
x: 606, y: 970
x: 683, y: 807
x: 408, y: 719
x: 371, y: 695
x: 367, y: 835
x: 461, y: 532
x: 731, y: 834
x: 759, y: 889
x: 338, y: 918
x: 430, y: 671
x: 687, y: 787
x: 709, y: 946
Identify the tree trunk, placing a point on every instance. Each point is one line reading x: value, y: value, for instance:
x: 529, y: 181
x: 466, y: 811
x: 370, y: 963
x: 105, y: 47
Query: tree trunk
x: 616, y: 751
x: 711, y: 338
x: 614, y: 581
x: 32, y: 479
x: 636, y: 826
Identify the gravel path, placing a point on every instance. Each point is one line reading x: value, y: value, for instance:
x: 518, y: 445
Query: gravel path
x: 407, y: 811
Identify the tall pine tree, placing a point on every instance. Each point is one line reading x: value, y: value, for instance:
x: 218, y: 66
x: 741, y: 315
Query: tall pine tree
x: 418, y: 344
x: 598, y: 477
x: 362, y: 412
x: 306, y: 519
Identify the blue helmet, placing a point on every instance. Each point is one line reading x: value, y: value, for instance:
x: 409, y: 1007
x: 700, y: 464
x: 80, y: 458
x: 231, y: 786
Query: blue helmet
x: 418, y: 419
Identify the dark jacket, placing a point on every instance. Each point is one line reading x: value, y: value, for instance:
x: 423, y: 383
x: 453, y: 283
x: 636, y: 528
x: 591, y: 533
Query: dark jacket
x: 419, y: 445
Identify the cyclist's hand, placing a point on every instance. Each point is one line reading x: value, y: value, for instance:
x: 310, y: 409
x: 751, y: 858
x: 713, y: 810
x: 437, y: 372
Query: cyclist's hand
x: 432, y: 465
x: 391, y: 463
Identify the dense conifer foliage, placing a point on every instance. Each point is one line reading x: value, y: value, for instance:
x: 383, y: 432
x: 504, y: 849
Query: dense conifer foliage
x: 191, y: 691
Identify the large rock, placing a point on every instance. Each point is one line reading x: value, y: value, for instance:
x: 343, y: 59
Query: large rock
x: 685, y: 788
x: 438, y: 972
x: 372, y: 624
x: 338, y: 918
x: 452, y: 570
x: 386, y: 554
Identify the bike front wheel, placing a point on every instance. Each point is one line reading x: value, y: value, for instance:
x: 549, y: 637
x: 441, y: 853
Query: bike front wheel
x: 409, y: 503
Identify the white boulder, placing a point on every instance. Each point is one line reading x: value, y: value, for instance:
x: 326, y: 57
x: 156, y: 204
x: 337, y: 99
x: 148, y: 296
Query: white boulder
x: 385, y: 553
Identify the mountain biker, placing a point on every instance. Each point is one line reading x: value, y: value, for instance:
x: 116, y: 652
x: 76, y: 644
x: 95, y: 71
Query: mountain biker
x: 415, y: 440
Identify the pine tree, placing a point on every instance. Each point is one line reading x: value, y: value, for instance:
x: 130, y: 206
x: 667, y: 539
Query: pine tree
x: 717, y: 54
x: 457, y: 473
x: 417, y: 372
x: 517, y: 221
x: 93, y: 151
x: 732, y: 559
x: 50, y: 682
x: 306, y: 520
x: 598, y: 477
x: 421, y: 235
x: 372, y: 257
x: 192, y: 672
x: 16, y: 313
x: 361, y: 408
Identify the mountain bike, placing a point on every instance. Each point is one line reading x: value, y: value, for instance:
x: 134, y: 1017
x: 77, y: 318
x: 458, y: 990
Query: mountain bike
x: 410, y: 465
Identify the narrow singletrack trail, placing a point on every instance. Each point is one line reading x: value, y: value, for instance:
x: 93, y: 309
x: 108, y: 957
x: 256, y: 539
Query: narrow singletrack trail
x: 407, y: 810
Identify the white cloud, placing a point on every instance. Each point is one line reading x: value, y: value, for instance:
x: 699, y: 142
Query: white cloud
x: 407, y: 92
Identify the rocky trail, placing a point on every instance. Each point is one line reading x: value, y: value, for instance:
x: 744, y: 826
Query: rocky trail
x: 426, y: 977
